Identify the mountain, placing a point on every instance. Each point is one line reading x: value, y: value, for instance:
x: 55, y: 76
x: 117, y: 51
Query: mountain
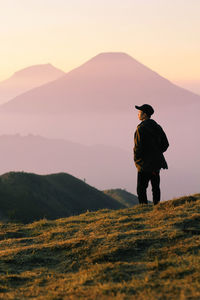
x: 109, y: 82
x: 27, y: 79
x: 26, y: 197
x: 191, y: 85
x: 143, y: 252
x: 94, y: 105
x: 122, y: 196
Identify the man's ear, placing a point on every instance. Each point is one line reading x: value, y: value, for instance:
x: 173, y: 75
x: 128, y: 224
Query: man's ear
x: 145, y: 115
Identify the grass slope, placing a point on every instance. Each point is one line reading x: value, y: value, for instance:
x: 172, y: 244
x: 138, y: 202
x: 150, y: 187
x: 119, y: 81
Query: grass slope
x: 144, y: 252
x: 122, y: 196
x: 28, y: 197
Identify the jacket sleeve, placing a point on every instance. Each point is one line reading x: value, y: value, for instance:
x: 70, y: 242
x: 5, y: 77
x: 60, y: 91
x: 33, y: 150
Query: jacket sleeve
x: 138, y: 145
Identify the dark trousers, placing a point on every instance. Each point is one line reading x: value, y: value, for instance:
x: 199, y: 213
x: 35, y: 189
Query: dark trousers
x: 142, y: 184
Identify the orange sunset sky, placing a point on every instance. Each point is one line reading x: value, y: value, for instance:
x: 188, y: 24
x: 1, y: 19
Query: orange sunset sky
x: 162, y: 34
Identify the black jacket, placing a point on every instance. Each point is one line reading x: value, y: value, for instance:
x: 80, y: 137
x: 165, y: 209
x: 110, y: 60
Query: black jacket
x: 150, y: 142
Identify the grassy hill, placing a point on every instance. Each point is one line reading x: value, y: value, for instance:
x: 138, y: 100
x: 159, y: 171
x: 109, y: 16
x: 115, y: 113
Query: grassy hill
x: 142, y: 253
x: 122, y: 196
x: 28, y: 197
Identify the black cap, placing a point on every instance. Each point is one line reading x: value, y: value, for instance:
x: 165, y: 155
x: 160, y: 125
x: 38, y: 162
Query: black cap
x: 146, y: 108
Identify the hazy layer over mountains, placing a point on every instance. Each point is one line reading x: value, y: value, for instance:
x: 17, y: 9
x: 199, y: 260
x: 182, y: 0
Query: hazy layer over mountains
x: 27, y: 79
x: 96, y: 164
x: 94, y: 104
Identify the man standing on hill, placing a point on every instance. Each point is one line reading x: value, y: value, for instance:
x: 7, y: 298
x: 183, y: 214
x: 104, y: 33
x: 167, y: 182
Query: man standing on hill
x: 150, y: 142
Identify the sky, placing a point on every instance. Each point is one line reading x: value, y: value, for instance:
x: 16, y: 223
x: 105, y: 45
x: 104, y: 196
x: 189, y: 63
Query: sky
x: 162, y: 34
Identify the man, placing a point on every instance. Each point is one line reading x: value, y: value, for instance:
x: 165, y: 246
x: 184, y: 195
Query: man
x: 150, y: 142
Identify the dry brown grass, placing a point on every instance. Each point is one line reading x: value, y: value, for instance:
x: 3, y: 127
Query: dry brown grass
x: 143, y: 252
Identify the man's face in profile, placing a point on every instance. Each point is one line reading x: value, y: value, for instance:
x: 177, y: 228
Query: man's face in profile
x: 141, y: 115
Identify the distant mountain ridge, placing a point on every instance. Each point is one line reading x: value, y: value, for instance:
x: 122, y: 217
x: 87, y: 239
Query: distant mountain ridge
x: 107, y: 82
x: 122, y: 196
x: 191, y: 85
x: 27, y: 79
x: 35, y: 70
x: 27, y: 197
